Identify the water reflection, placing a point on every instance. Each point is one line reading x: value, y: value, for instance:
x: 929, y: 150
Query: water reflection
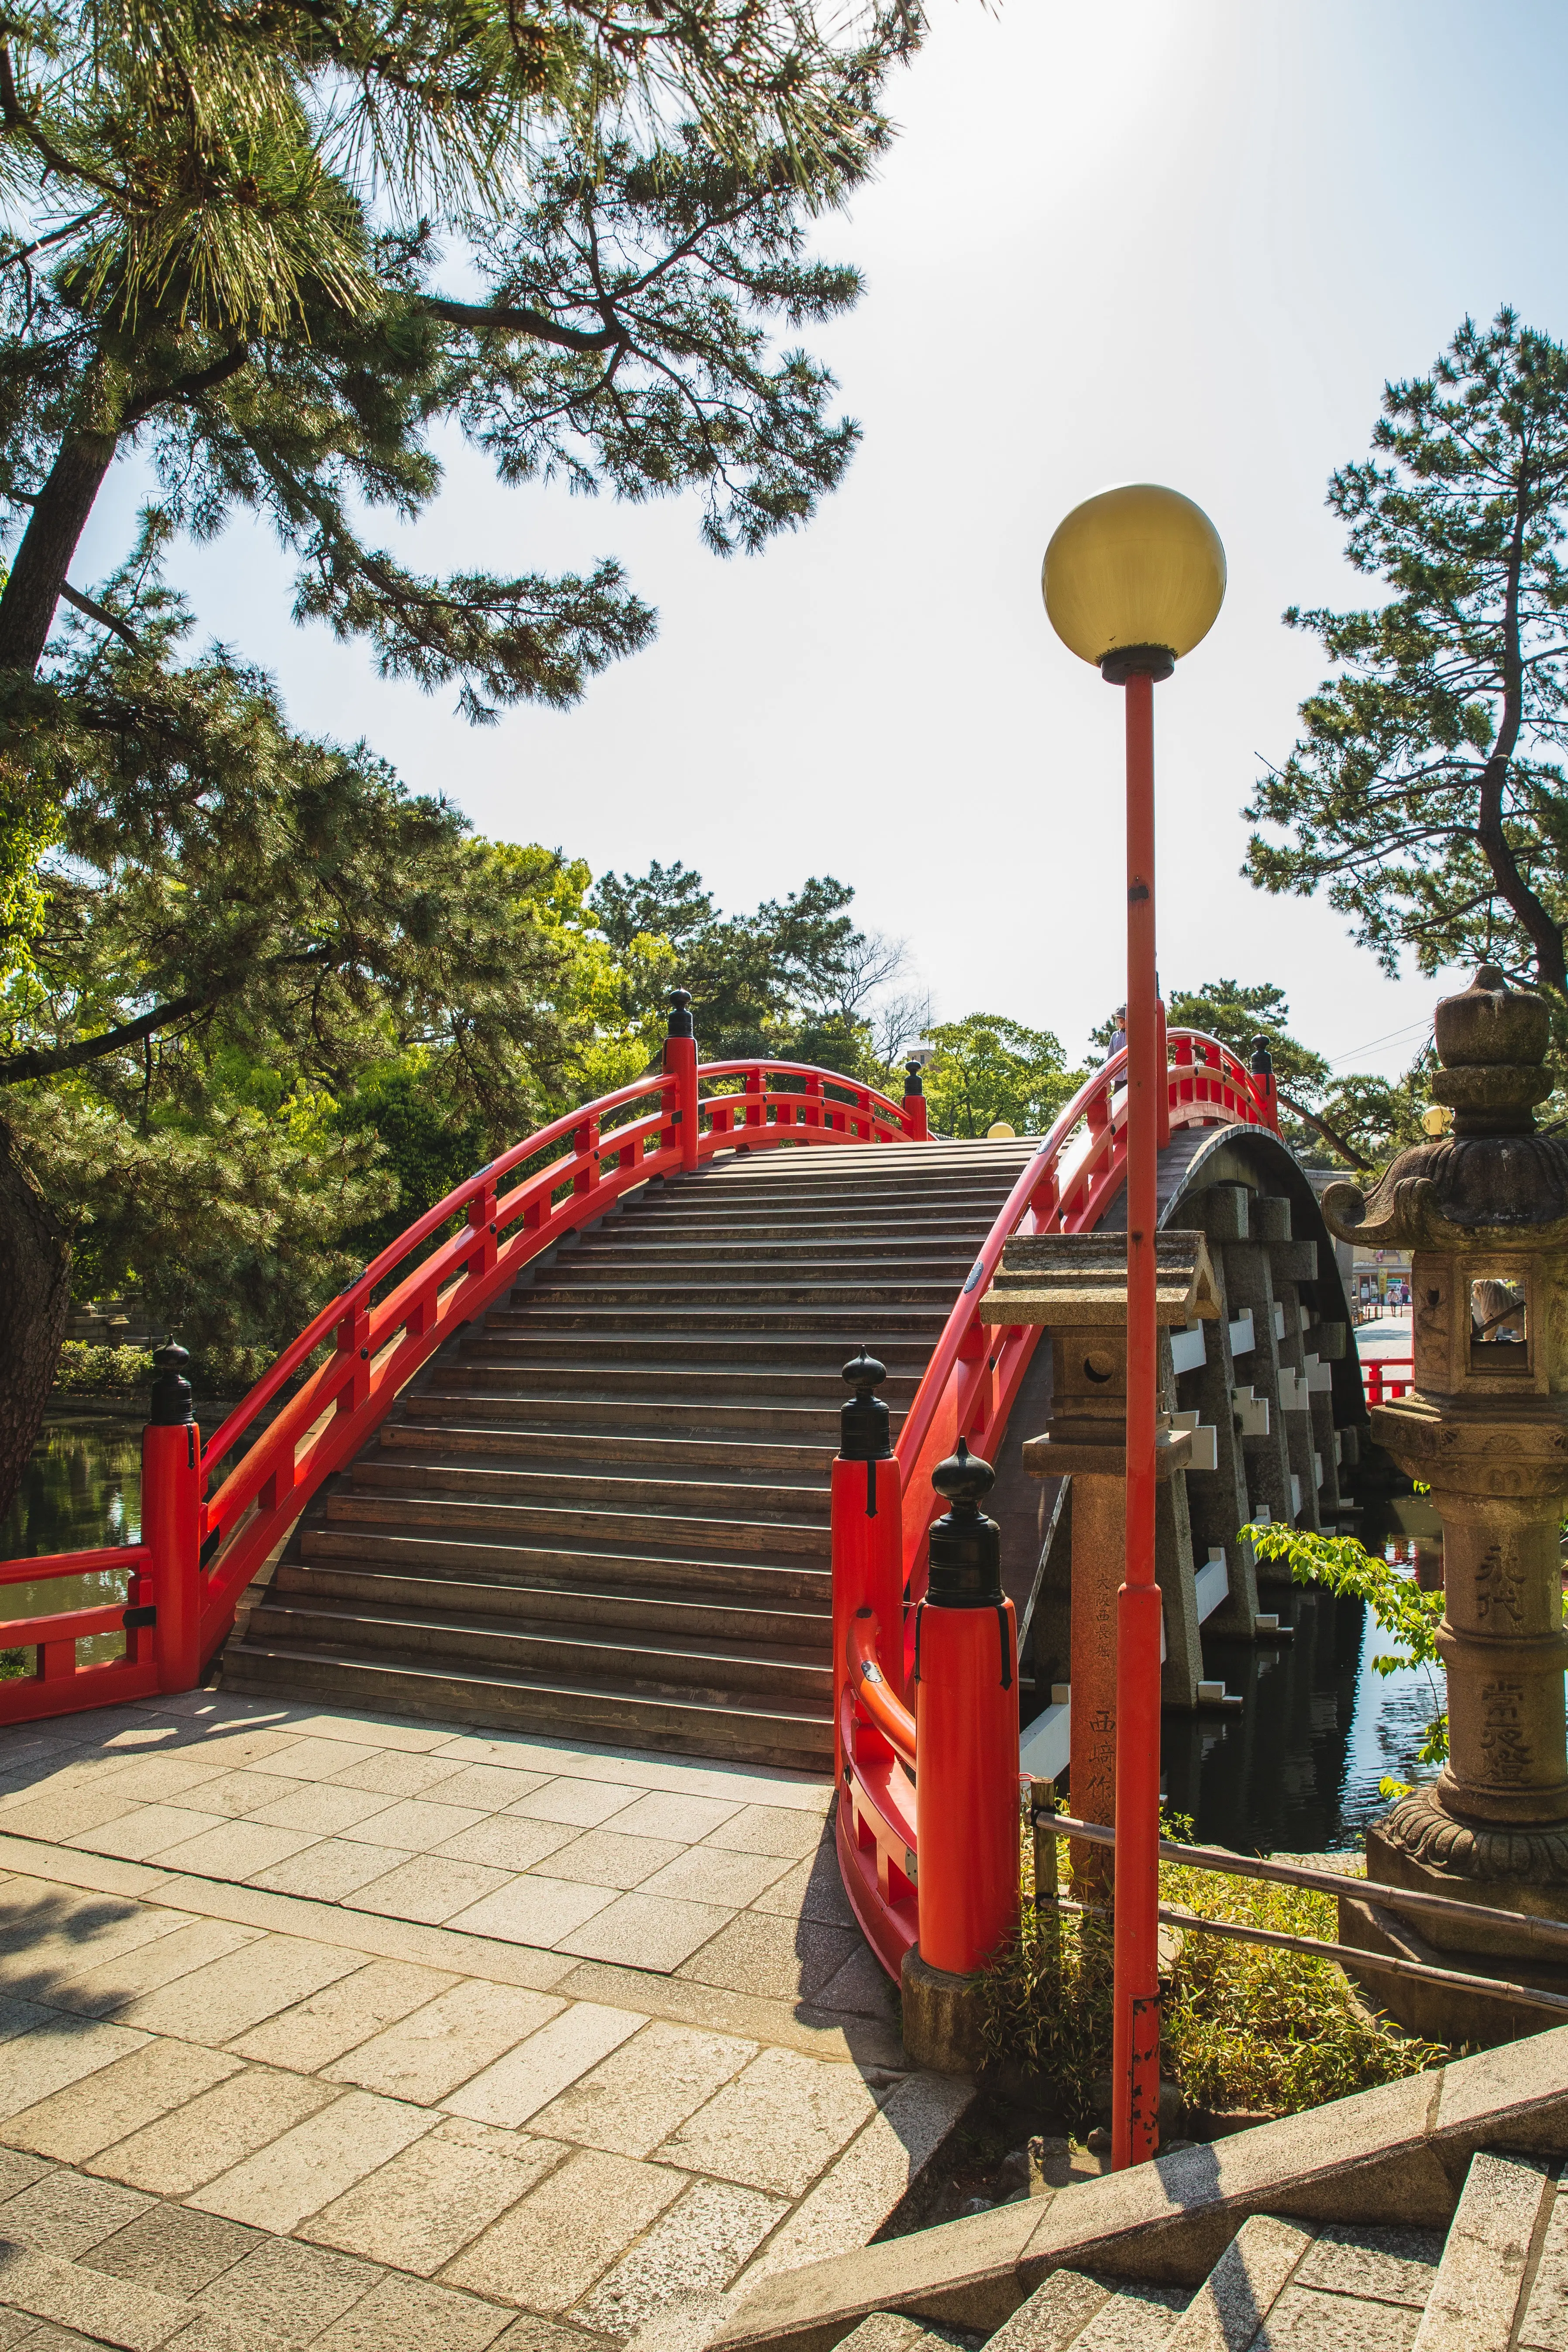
x: 1297, y: 1770
x: 81, y: 1489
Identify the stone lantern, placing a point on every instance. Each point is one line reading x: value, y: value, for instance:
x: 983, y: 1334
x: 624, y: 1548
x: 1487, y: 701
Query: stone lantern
x: 1483, y: 1211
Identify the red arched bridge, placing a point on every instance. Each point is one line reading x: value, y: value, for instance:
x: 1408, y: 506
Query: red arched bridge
x: 558, y: 1460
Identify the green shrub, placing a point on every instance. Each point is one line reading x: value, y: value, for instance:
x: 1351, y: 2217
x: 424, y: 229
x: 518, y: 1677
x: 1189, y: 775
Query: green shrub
x: 84, y: 1370
x: 1242, y: 2025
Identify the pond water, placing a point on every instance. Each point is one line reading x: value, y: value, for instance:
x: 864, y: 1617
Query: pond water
x: 81, y: 1489
x: 1295, y: 1770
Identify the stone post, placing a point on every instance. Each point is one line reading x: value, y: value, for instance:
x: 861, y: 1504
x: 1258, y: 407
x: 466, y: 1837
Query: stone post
x: 1077, y: 1284
x: 1486, y: 1426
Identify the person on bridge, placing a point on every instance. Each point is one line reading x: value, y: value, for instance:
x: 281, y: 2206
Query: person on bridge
x: 1119, y: 1037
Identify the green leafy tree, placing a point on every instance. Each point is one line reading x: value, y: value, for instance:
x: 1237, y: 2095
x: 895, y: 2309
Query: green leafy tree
x: 274, y: 259
x: 985, y: 1068
x: 1363, y: 1119
x: 1425, y: 793
x: 796, y: 979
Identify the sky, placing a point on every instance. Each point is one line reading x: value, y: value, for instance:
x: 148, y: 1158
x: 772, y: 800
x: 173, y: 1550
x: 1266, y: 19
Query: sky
x: 1179, y: 240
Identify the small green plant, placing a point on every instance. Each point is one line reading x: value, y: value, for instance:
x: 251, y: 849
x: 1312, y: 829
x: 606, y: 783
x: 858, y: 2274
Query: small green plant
x: 85, y: 1370
x: 1242, y: 2025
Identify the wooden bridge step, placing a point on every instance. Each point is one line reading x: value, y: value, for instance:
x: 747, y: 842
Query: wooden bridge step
x: 771, y: 1538
x: 474, y: 1557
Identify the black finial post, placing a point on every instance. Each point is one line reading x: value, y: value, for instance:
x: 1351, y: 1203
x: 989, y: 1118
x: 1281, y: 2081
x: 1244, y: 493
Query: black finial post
x: 680, y: 1024
x: 171, y: 1389
x: 864, y: 1431
x: 1262, y: 1059
x: 913, y: 1082
x: 966, y: 1546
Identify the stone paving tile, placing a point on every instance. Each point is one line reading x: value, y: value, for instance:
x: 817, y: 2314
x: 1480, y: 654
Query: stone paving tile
x: 1384, y: 2265
x: 779, y: 1959
x: 237, y: 1747
x: 106, y: 1986
x: 667, y: 1814
x: 850, y: 2203
x: 646, y: 1931
x: 143, y: 1831
x: 383, y: 1731
x: 391, y: 1774
x: 696, y: 2248
x: 539, y: 2069
x: 776, y: 2125
x: 606, y: 1858
x: 16, y: 2325
x: 159, y: 1779
x: 420, y: 2211
x: 407, y: 2315
x: 292, y: 2290
x: 777, y: 1830
x: 59, y: 2292
x: 21, y: 2016
x: 232, y: 1995
x: 492, y: 1787
x: 175, y: 2249
x: 584, y: 1804
x: 530, y: 2333
x: 182, y: 2151
x: 19, y: 2171
x: 418, y: 1823
x: 428, y: 2054
x: 329, y: 1870
x: 636, y: 2097
x: 548, y: 2251
x: 90, y: 2115
x: 313, y: 1759
x: 62, y: 2051
x: 55, y: 1820
x: 862, y: 1985
x: 235, y: 1850
x: 1545, y: 2325
x: 236, y: 1794
x: 1304, y: 2320
x: 430, y: 1889
x: 506, y: 1842
x: 66, y: 2212
x: 532, y: 1909
x: 320, y: 1809
x: 314, y: 2162
x: 311, y: 2034
x: 813, y: 1890
x: 706, y: 1874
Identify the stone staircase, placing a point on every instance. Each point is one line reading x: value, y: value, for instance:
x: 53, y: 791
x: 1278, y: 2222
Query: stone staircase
x: 602, y: 1513
x: 1498, y: 2281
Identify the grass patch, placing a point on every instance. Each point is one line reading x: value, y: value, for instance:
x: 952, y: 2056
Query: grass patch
x: 1241, y: 2025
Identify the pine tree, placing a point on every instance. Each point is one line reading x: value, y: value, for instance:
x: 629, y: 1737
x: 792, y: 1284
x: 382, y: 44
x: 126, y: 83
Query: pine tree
x: 275, y: 254
x: 1427, y: 793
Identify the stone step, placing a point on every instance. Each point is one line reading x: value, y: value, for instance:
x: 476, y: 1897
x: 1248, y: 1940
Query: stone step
x: 769, y: 1538
x: 612, y: 1417
x: 1088, y: 2313
x: 1481, y: 2279
x: 758, y: 1732
x: 472, y: 1557
x: 725, y: 1292
x: 651, y: 1662
x: 800, y: 1499
x: 736, y: 1456
x: 686, y: 1614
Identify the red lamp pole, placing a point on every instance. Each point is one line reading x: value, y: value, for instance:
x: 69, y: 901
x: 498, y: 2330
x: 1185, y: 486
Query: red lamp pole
x: 1135, y: 2061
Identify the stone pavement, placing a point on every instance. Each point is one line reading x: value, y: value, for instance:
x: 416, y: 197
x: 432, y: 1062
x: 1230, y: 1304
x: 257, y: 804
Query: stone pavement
x: 372, y: 2034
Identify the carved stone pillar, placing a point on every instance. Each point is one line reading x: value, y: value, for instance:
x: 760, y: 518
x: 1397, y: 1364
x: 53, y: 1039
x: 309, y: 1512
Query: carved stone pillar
x: 1484, y: 1211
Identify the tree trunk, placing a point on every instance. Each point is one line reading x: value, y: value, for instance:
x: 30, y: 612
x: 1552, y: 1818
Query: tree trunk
x: 48, y: 543
x: 34, y: 1301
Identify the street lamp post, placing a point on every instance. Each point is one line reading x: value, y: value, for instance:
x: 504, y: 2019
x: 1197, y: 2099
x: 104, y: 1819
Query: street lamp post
x: 1132, y: 580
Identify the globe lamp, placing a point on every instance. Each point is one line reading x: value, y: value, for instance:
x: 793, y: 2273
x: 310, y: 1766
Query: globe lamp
x: 1133, y: 579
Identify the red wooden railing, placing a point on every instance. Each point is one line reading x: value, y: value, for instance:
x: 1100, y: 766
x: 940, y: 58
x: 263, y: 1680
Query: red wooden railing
x: 1387, y: 1377
x: 206, y: 1542
x: 967, y: 1392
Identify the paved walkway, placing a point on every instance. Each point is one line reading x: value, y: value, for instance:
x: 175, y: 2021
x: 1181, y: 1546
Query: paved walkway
x: 375, y: 2034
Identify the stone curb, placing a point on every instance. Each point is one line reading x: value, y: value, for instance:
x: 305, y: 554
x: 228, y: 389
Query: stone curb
x: 1397, y: 2154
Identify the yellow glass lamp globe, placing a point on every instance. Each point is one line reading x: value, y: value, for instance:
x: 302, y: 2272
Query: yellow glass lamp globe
x: 1136, y: 566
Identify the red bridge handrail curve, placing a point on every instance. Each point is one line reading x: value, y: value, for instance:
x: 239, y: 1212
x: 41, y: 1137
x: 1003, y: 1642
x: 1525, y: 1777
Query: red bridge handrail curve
x: 379, y: 1344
